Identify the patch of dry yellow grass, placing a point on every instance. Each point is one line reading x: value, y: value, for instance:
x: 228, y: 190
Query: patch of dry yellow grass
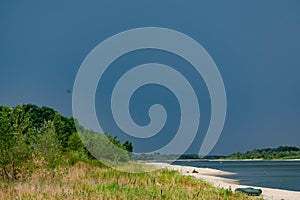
x: 84, y: 181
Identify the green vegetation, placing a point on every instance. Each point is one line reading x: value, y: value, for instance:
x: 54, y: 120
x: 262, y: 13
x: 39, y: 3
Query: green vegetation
x: 162, y: 157
x: 33, y: 137
x: 85, y: 181
x: 282, y: 152
x: 42, y: 157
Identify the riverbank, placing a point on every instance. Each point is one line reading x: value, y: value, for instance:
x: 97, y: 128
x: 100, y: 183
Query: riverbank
x: 212, y: 176
x: 88, y: 181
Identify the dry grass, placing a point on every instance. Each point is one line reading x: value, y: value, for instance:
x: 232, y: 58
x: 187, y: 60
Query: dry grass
x: 84, y: 181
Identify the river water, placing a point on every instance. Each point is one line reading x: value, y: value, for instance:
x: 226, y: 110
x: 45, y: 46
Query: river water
x: 271, y: 174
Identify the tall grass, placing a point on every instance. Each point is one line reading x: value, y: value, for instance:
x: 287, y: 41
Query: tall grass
x: 86, y: 181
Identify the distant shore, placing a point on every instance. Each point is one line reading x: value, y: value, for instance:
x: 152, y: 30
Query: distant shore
x: 212, y: 176
x: 259, y: 159
x: 216, y: 160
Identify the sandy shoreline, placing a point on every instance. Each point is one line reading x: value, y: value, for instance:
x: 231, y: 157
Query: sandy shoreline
x: 211, y: 176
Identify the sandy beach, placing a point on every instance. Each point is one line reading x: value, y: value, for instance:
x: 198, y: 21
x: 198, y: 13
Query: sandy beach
x: 211, y: 176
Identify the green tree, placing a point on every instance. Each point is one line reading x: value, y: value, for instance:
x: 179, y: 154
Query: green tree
x: 104, y: 147
x: 15, y: 151
x: 47, y: 146
x: 75, y: 143
x: 128, y: 146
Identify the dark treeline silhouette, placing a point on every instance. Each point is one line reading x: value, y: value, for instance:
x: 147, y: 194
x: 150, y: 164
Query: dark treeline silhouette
x: 158, y: 156
x: 282, y: 152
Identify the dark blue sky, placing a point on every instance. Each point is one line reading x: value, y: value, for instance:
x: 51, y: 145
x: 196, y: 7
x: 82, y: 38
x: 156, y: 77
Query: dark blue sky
x: 255, y: 44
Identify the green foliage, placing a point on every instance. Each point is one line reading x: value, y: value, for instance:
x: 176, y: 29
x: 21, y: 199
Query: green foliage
x: 115, y: 141
x: 15, y: 153
x: 77, y: 151
x: 14, y: 156
x: 128, y: 146
x: 104, y: 147
x: 35, y: 141
x: 47, y: 146
x: 33, y: 137
x: 24, y: 140
x: 64, y: 128
x: 76, y: 156
x: 75, y: 143
x: 85, y: 181
x: 37, y: 116
x: 282, y: 152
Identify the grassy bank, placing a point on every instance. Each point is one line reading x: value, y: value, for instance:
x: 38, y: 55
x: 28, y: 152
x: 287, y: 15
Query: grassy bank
x: 85, y: 181
x: 43, y: 157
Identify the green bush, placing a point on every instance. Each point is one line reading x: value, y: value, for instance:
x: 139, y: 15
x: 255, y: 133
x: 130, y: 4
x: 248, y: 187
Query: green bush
x: 47, y: 147
x: 15, y: 151
x: 33, y: 137
x: 78, y: 156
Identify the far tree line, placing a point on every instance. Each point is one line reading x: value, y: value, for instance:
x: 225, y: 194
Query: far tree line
x: 282, y: 152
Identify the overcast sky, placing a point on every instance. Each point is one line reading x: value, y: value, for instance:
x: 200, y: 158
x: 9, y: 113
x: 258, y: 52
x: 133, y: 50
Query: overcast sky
x: 255, y: 44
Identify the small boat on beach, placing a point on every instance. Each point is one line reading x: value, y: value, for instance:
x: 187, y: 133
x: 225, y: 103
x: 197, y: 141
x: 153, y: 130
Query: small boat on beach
x: 250, y: 191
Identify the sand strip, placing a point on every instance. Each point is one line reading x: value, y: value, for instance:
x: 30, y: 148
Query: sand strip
x: 211, y: 176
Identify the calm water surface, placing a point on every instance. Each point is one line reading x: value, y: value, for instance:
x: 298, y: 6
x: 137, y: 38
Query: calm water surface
x: 272, y: 174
